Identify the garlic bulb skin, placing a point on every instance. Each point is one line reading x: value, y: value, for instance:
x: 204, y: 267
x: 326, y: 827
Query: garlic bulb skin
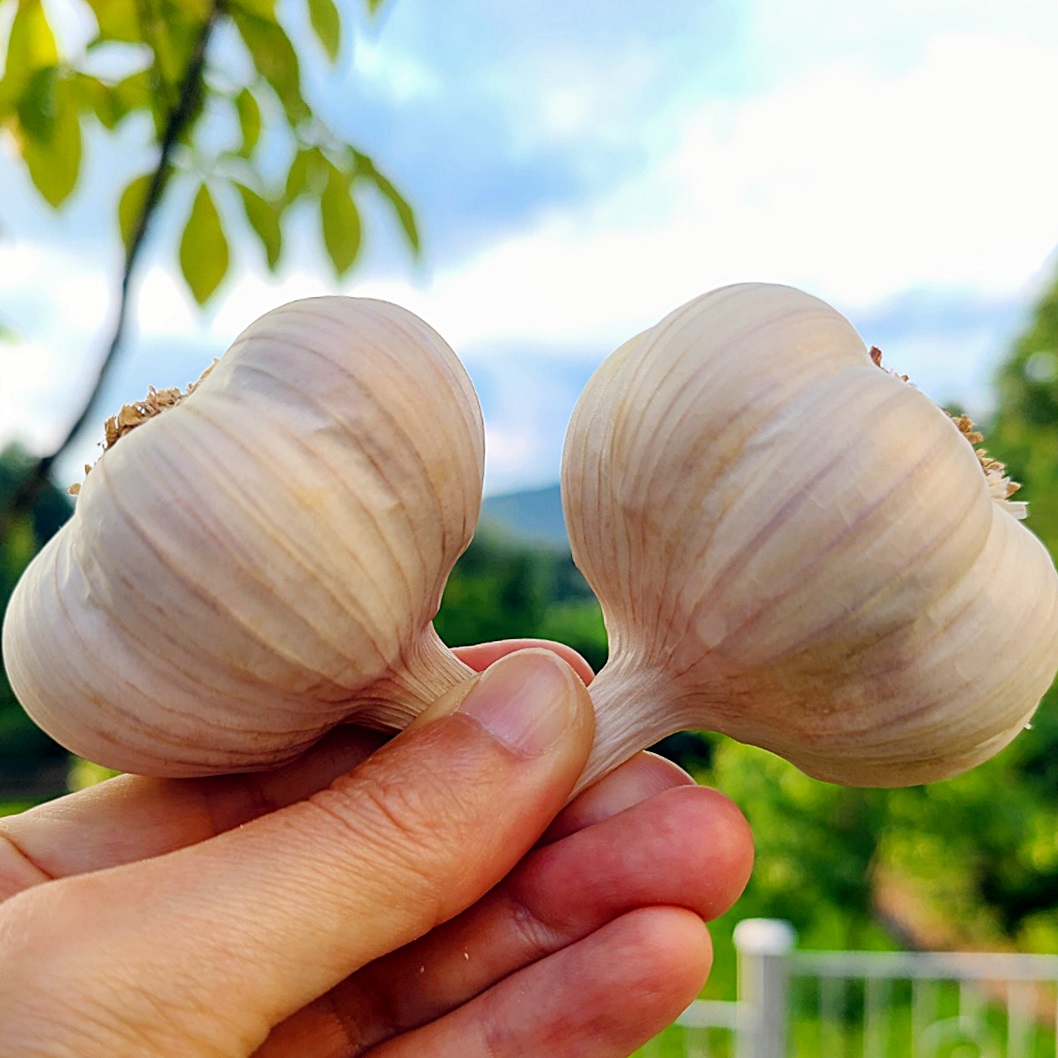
x: 262, y: 561
x: 799, y: 550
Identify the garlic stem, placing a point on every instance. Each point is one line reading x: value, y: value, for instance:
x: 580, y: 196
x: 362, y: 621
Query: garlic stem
x: 426, y: 671
x: 632, y: 712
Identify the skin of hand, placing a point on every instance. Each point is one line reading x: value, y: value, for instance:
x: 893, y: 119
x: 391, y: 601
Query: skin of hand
x: 430, y: 895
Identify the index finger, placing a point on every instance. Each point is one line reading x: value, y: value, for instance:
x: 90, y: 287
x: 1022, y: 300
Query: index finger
x: 132, y: 817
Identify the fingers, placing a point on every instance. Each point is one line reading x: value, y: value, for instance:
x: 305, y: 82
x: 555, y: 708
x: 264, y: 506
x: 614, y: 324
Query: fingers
x: 603, y: 997
x: 260, y: 920
x: 132, y: 818
x: 636, y: 780
x: 685, y: 847
x: 481, y: 655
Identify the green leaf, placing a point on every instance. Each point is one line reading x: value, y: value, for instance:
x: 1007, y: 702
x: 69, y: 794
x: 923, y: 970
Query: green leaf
x: 401, y: 207
x: 200, y: 10
x: 339, y: 221
x: 117, y: 20
x: 100, y: 99
x: 30, y: 46
x: 373, y: 6
x: 130, y: 207
x: 260, y: 8
x: 203, y: 248
x: 249, y: 121
x: 134, y: 92
x: 303, y: 167
x: 54, y: 163
x: 36, y: 105
x: 112, y: 103
x: 327, y: 25
x: 275, y: 59
x: 173, y: 40
x: 263, y: 217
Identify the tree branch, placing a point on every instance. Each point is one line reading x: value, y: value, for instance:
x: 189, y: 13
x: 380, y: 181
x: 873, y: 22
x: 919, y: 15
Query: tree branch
x: 179, y: 119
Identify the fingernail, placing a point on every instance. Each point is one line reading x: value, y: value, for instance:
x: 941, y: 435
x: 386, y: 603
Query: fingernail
x: 525, y: 700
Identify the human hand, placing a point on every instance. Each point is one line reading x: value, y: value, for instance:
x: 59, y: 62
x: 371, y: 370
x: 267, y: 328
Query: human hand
x: 390, y: 904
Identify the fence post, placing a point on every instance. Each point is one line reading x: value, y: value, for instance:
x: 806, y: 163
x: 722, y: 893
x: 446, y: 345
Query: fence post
x: 763, y: 946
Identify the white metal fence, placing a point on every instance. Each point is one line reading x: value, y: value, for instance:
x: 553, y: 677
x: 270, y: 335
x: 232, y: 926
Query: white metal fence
x: 810, y: 1004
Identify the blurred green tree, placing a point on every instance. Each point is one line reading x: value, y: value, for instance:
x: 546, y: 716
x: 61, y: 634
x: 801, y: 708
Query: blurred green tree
x: 1025, y: 431
x: 30, y: 763
x: 503, y: 589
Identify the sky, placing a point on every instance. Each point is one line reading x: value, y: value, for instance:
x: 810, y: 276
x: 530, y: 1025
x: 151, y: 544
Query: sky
x: 582, y: 167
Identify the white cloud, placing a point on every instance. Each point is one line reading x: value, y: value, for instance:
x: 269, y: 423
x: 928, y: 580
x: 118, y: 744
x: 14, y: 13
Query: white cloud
x: 855, y: 185
x: 863, y: 185
x: 56, y: 309
x: 400, y: 77
x: 581, y: 100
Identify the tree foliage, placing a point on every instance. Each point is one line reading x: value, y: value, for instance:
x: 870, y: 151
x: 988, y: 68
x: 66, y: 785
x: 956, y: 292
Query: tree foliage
x: 145, y: 60
x: 1025, y: 431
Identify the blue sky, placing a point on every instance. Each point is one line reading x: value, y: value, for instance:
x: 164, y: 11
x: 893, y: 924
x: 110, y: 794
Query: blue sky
x: 581, y: 167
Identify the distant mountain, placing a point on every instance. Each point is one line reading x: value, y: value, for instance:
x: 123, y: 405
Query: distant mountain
x: 533, y: 516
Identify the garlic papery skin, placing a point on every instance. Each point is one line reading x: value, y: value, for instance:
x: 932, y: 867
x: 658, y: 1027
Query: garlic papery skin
x: 262, y: 561
x: 799, y: 550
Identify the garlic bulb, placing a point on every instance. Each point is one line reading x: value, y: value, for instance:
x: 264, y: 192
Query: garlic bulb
x: 800, y: 550
x: 262, y: 560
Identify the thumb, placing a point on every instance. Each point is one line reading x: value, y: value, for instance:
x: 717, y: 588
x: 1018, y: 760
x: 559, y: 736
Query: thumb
x: 257, y: 922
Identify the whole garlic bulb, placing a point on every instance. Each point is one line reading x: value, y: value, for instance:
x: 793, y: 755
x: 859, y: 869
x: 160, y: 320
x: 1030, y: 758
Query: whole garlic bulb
x: 800, y: 550
x: 263, y: 560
